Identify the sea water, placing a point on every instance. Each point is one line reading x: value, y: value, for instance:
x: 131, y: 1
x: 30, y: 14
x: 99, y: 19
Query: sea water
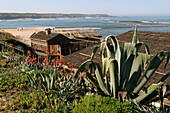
x: 103, y: 25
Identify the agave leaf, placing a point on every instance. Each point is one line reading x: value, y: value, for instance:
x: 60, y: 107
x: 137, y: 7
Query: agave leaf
x: 92, y: 80
x: 138, y: 45
x: 164, y: 77
x: 155, y: 63
x: 135, y: 39
x: 94, y: 52
x: 110, y: 51
x: 107, y: 83
x: 126, y: 71
x: 114, y: 78
x: 81, y: 67
x: 133, y: 81
x: 90, y: 70
x: 135, y: 70
x: 143, y: 59
x: 48, y: 82
x: 106, y: 64
x: 100, y: 79
x: 168, y: 58
x: 146, y: 93
x: 30, y: 80
x: 129, y: 48
x: 102, y: 47
x: 102, y: 50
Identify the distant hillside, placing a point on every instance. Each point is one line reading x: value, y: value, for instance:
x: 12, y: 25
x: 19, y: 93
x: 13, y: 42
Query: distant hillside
x: 48, y: 15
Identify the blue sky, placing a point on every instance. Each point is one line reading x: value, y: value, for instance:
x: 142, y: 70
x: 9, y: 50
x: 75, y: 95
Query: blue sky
x: 111, y: 7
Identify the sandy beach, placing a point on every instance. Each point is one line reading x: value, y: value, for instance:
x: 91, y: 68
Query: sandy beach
x: 23, y: 34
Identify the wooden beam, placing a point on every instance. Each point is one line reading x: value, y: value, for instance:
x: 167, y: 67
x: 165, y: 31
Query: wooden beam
x: 95, y: 38
x: 86, y: 40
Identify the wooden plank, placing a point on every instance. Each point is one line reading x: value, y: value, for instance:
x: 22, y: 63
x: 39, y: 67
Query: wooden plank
x: 87, y: 40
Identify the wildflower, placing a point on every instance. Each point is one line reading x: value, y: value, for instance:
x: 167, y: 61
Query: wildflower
x: 61, y: 70
x: 53, y: 60
x: 46, y: 49
x: 51, y: 64
x: 68, y: 63
x: 48, y: 53
x: 56, y: 62
x: 39, y: 57
x: 64, y: 63
x: 29, y: 52
x: 57, y: 57
x: 34, y: 59
x: 61, y: 63
x: 61, y: 58
x: 52, y: 51
x: 45, y: 61
x: 28, y: 57
x: 10, y: 47
x: 47, y: 64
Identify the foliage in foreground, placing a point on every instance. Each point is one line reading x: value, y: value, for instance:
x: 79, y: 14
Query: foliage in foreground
x: 100, y: 104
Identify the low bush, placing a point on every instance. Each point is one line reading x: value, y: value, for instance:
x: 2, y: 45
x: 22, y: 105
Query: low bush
x: 100, y: 104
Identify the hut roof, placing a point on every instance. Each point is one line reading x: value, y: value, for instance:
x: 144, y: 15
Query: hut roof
x: 71, y: 34
x: 155, y: 40
x: 42, y: 36
x: 79, y: 34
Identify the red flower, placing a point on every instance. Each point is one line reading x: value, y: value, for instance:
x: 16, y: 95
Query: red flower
x: 45, y: 61
x: 57, y: 57
x: 47, y: 64
x: 53, y: 60
x: 64, y: 63
x: 46, y: 49
x: 48, y: 53
x: 56, y: 62
x: 68, y: 63
x: 10, y: 47
x: 39, y: 57
x: 52, y: 51
x: 61, y: 58
x: 28, y: 57
x: 34, y: 59
x: 51, y: 64
x: 29, y: 52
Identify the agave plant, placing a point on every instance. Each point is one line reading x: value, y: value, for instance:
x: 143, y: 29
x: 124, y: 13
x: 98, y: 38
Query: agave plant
x: 125, y: 70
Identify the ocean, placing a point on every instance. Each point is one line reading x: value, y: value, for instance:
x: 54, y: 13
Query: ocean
x: 103, y: 25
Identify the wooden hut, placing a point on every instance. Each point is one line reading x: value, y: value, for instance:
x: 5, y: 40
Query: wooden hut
x: 63, y: 42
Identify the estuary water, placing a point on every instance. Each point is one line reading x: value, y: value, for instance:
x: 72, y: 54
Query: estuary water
x: 103, y: 25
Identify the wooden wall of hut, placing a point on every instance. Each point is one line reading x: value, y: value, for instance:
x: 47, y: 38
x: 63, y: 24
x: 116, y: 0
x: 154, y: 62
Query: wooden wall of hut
x: 39, y: 45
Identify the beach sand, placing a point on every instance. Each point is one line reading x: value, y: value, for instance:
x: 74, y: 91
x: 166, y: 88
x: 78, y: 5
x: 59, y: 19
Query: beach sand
x: 23, y: 34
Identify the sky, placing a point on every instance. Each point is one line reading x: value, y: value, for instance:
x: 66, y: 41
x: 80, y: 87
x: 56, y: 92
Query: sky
x: 111, y: 7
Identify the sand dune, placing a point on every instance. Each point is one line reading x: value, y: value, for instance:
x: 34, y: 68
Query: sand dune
x: 23, y: 34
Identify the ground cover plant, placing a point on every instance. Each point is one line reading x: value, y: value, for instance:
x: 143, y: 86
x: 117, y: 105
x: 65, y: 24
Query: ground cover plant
x: 101, y: 104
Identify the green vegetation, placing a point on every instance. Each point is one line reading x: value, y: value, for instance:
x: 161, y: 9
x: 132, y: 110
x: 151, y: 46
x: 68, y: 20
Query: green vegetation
x: 100, y: 104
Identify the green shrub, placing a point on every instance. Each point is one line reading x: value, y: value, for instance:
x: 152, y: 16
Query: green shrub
x: 99, y: 104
